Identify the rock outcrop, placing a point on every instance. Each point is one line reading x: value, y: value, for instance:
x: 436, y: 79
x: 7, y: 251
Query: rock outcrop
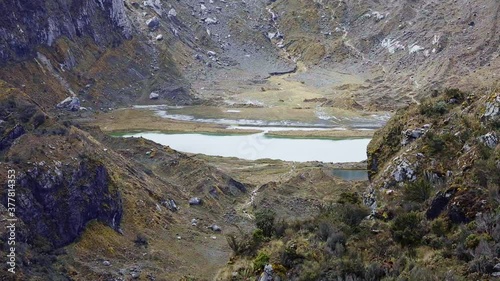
x: 57, y: 202
x: 28, y: 24
x: 454, y: 158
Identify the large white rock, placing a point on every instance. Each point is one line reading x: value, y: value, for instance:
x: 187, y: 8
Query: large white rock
x: 153, y: 96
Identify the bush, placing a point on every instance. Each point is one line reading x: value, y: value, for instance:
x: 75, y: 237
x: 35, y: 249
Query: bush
x: 485, y: 173
x: 244, y: 245
x: 265, y: 220
x: 430, y: 109
x: 434, y: 143
x: 38, y: 120
x: 348, y: 267
x: 482, y: 264
x: 26, y: 112
x: 418, y: 191
x: 258, y: 236
x: 324, y: 230
x: 310, y: 271
x: 422, y: 274
x: 349, y: 197
x: 456, y: 94
x: 406, y: 229
x: 351, y: 214
x: 374, y: 272
x: 440, y: 227
x: 471, y: 241
x: 280, y: 227
x: 141, y: 240
x: 260, y: 261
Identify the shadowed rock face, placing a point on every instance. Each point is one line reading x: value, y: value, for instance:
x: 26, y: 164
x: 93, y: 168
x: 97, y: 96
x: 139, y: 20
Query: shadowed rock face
x: 26, y: 24
x: 57, y: 203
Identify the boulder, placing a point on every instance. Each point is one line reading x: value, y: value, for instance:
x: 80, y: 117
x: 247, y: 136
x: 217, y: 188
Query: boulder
x: 106, y: 263
x: 170, y: 204
x: 172, y: 13
x: 404, y: 171
x: 153, y: 96
x: 267, y: 275
x: 159, y: 37
x: 411, y: 135
x: 211, y: 53
x: 153, y: 23
x: 215, y: 228
x: 195, y: 201
x: 492, y: 108
x: 210, y: 21
x: 490, y: 139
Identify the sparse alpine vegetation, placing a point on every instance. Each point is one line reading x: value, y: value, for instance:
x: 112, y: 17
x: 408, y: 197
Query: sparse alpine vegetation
x: 440, y: 223
x: 94, y: 207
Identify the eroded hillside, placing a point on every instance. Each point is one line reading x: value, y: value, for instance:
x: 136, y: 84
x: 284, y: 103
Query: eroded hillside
x: 94, y: 207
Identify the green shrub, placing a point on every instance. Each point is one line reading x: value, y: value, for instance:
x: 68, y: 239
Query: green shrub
x: 456, y: 94
x: 310, y: 271
x: 334, y: 240
x: 349, y: 197
x: 374, y: 272
x: 265, y: 220
x: 280, y: 227
x: 485, y: 173
x: 422, y: 274
x: 245, y: 245
x: 351, y: 214
x: 325, y: 228
x: 349, y: 267
x: 434, y: 143
x: 431, y: 109
x: 260, y: 261
x: 258, y: 236
x: 440, y: 227
x: 417, y: 191
x: 406, y: 229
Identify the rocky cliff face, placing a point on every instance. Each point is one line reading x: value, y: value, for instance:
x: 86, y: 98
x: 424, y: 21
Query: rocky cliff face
x: 57, y: 202
x: 27, y: 25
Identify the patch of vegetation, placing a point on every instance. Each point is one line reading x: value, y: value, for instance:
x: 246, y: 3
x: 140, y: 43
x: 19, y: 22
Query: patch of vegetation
x: 434, y: 143
x: 407, y: 230
x: 418, y: 191
x: 349, y: 197
x: 433, y: 109
x: 264, y: 220
x: 260, y: 261
x: 141, y: 241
